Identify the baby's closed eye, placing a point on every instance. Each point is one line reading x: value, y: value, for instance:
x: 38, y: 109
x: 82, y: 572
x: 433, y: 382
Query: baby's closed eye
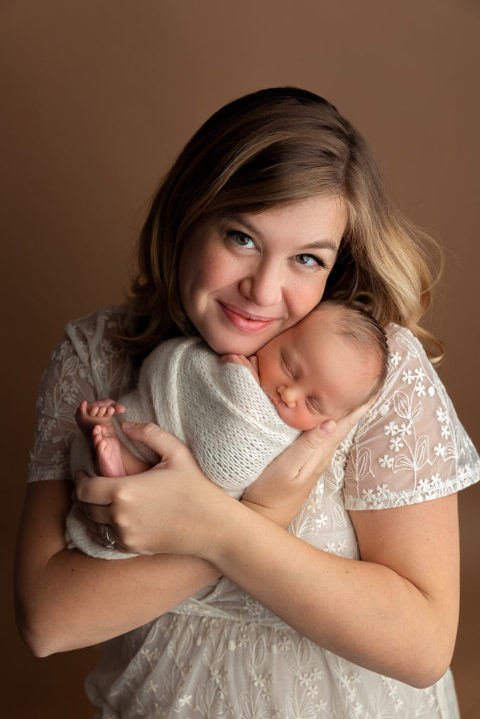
x: 314, y: 405
x: 287, y: 368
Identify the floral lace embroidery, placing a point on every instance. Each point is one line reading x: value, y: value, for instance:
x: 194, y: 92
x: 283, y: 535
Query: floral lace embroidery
x: 411, y: 447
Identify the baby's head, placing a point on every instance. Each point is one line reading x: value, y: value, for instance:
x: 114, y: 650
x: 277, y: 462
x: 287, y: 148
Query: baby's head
x: 332, y: 361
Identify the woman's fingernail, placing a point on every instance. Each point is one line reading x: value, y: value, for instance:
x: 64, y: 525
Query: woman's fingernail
x: 128, y: 425
x: 328, y: 426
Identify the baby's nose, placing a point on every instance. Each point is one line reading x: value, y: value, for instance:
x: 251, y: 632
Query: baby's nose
x: 287, y: 395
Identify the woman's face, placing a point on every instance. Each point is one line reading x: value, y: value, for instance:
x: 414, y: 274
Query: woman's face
x: 246, y: 277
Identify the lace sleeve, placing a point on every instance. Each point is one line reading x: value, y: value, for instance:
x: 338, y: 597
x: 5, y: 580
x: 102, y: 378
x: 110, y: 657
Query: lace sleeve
x: 65, y: 383
x: 84, y: 365
x: 411, y: 446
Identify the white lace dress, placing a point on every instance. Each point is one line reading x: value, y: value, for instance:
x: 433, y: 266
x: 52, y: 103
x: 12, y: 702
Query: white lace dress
x: 222, y: 654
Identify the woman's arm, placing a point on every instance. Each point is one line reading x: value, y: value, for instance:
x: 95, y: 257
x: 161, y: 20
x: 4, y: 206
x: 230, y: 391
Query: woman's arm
x: 394, y: 612
x: 67, y: 600
x: 64, y: 599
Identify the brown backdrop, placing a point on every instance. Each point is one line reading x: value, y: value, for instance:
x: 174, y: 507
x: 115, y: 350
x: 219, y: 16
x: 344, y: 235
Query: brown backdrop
x: 99, y: 97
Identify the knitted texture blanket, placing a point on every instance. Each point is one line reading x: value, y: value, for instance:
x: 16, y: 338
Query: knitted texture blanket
x: 217, y: 409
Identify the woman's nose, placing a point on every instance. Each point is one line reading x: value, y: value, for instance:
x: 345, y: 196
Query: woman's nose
x: 288, y: 395
x: 264, y: 285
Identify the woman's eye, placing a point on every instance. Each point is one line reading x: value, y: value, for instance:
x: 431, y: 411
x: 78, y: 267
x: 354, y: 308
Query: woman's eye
x: 309, y: 261
x: 241, y: 239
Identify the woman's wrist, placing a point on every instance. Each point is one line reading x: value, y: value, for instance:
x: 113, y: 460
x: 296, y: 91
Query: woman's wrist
x: 228, y: 546
x: 215, y: 526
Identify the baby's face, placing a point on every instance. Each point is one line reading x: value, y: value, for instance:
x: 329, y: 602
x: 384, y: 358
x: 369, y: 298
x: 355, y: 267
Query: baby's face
x: 311, y: 374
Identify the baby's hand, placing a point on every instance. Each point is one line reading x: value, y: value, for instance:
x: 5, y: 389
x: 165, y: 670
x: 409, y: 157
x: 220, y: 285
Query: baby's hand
x: 250, y: 362
x: 101, y: 411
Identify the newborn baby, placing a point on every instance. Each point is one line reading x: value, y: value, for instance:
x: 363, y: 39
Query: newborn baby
x: 236, y: 413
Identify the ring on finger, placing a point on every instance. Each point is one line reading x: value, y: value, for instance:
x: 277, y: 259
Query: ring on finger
x: 108, y: 540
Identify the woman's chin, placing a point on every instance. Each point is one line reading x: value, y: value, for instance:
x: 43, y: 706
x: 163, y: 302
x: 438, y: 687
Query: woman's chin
x: 226, y: 342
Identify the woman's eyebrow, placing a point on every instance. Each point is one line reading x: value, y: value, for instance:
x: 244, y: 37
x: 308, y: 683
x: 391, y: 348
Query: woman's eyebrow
x: 241, y: 221
x: 322, y: 245
x: 314, y: 245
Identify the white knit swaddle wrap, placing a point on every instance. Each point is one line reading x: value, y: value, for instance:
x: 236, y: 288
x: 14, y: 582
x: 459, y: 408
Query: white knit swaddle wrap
x: 217, y: 409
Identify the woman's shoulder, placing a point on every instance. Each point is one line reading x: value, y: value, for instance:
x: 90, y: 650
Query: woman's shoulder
x: 403, y: 344
x: 94, y: 341
x: 96, y: 331
x: 411, y: 379
x: 411, y: 445
x: 410, y: 367
x: 86, y: 364
x: 106, y: 321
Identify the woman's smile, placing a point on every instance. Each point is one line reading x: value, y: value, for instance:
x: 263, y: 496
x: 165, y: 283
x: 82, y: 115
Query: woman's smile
x: 243, y: 320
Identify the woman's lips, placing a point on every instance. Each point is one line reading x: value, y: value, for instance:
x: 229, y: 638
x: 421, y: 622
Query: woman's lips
x: 244, y: 320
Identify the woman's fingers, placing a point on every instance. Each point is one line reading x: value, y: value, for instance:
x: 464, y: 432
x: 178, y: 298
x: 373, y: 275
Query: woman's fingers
x: 314, y: 449
x: 329, y: 435
x: 154, y: 511
x: 310, y: 449
x: 154, y: 437
x: 94, y: 490
x: 101, y: 532
x: 352, y: 418
x: 285, y: 484
x: 287, y: 481
x: 96, y: 513
x: 104, y: 535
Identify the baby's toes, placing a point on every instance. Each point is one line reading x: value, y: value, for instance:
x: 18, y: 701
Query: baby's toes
x: 97, y: 435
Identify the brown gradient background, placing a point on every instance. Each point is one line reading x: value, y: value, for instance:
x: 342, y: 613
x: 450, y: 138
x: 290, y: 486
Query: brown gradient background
x: 98, y: 99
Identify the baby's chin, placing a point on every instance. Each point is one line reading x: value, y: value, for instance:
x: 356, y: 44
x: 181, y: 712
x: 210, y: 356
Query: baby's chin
x: 303, y: 426
x: 301, y: 423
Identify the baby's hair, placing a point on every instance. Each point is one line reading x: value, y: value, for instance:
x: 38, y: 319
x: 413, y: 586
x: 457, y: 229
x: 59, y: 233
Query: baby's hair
x: 357, y: 325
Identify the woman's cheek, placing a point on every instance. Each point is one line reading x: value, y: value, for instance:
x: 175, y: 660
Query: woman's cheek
x: 305, y: 298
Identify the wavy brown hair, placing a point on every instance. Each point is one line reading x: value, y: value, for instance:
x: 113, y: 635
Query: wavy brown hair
x: 273, y: 147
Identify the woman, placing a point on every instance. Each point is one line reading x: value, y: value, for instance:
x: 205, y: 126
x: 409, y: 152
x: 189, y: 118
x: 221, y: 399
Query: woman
x: 273, y: 204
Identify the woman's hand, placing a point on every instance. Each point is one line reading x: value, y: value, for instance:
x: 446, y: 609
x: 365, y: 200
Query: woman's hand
x: 171, y: 508
x: 285, y: 484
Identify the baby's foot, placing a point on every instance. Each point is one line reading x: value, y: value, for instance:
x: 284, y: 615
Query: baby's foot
x: 90, y: 414
x: 108, y: 453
